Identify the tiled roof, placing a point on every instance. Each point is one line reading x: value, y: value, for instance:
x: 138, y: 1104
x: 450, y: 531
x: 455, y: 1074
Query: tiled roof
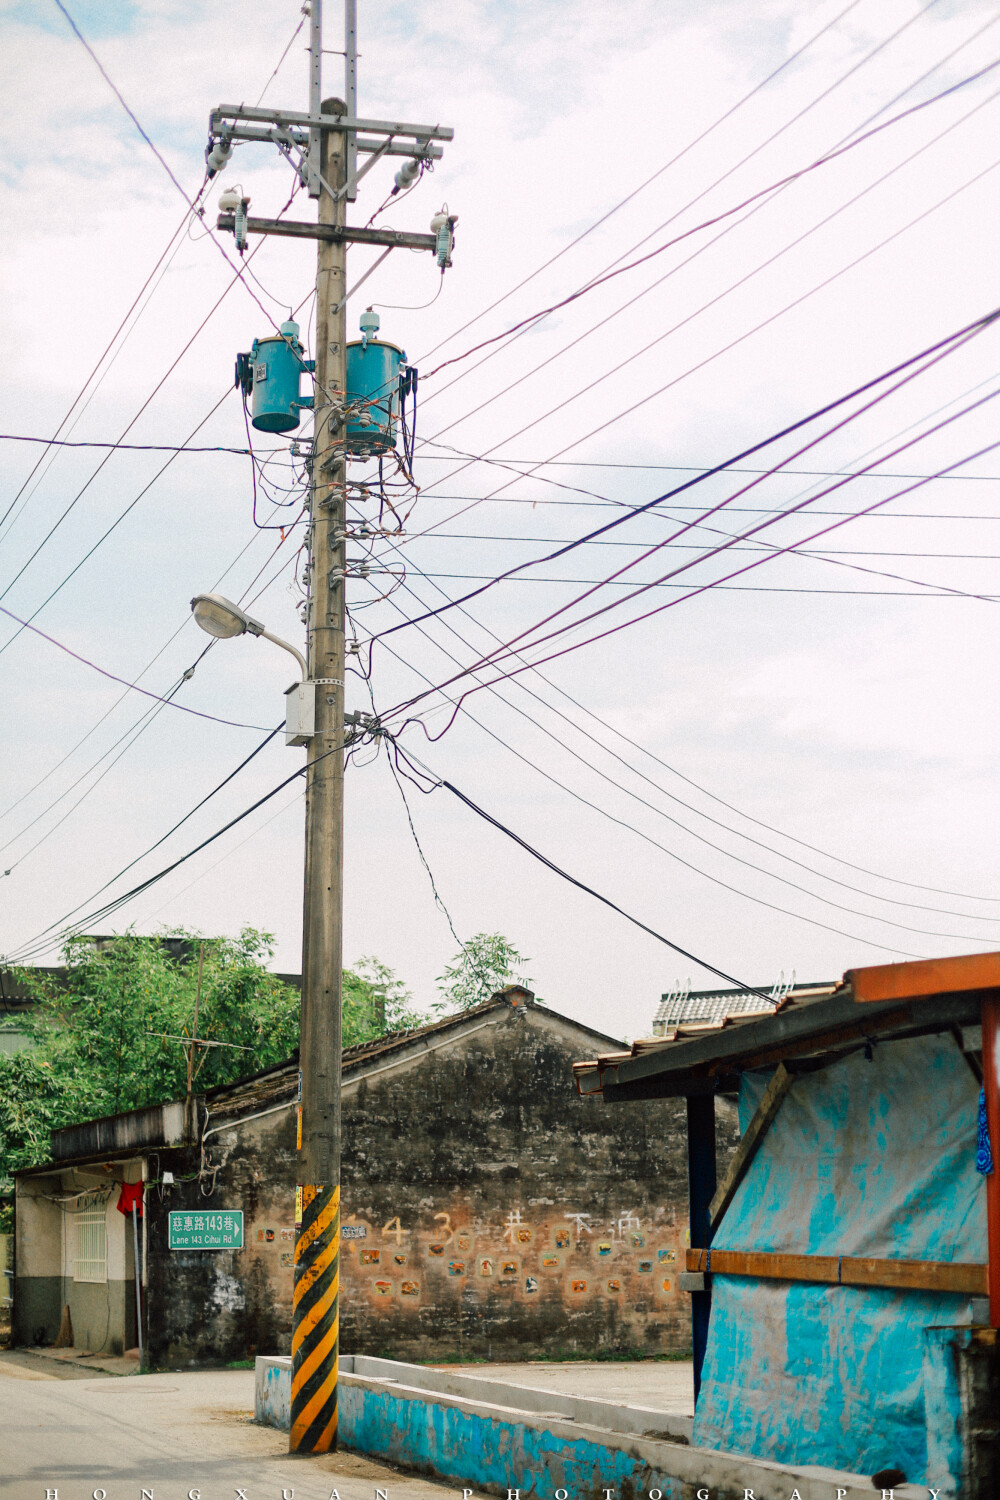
x: 280, y: 1081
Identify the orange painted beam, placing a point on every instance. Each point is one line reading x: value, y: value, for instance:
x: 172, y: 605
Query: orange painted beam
x: 926, y: 977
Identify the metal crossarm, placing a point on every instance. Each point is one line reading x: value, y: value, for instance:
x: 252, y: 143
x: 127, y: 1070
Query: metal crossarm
x: 334, y: 233
x: 236, y: 112
x: 300, y: 138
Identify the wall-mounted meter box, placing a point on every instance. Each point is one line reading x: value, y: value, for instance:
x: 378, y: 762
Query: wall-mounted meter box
x: 300, y: 713
x: 373, y: 396
x: 275, y: 367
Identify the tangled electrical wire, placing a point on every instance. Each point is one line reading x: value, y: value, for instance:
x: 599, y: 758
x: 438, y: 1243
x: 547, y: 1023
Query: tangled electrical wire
x: 364, y: 567
x: 267, y: 486
x: 392, y: 483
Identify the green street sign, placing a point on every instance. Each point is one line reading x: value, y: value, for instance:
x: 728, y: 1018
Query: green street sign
x: 198, y: 1230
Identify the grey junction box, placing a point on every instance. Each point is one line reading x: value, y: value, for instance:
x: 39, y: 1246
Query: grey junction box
x: 300, y: 713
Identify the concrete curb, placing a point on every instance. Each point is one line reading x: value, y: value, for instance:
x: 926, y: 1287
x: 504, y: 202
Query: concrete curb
x: 493, y: 1437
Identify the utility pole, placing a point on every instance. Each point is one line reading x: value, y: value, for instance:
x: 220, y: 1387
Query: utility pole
x: 323, y: 146
x: 316, y: 1303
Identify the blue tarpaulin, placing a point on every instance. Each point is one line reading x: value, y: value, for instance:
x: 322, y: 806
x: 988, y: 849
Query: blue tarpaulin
x: 864, y: 1158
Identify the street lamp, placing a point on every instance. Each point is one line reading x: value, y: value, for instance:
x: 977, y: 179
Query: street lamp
x: 224, y: 619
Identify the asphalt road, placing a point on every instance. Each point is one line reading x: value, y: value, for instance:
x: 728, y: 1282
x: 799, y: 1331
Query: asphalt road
x: 68, y: 1431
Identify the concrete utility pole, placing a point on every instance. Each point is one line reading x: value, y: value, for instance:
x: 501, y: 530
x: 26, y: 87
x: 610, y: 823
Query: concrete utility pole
x: 323, y: 146
x: 316, y: 1304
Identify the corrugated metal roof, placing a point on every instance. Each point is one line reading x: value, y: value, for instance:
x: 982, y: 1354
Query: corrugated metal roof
x: 683, y: 1008
x: 687, y: 1030
x: 809, y: 1024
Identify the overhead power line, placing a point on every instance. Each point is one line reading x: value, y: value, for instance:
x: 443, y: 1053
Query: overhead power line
x: 174, y: 452
x: 581, y: 463
x: 821, y: 554
x: 588, y: 762
x: 591, y: 498
x: 240, y: 270
x: 657, y: 786
x: 121, y: 698
x: 648, y: 614
x: 718, y: 218
x: 104, y: 535
x: 658, y: 760
x: 17, y: 437
x: 170, y: 831
x: 678, y: 213
x: 53, y: 441
x: 939, y: 348
x: 436, y: 781
x: 49, y: 937
x: 928, y: 591
x: 112, y: 677
x: 127, y: 740
x: 709, y: 359
x: 622, y: 202
x: 166, y: 256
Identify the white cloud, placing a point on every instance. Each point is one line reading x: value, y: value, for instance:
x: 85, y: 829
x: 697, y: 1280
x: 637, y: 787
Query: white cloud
x: 861, y: 724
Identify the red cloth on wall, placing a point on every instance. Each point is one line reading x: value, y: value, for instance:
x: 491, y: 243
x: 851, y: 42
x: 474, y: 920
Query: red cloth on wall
x: 131, y: 1194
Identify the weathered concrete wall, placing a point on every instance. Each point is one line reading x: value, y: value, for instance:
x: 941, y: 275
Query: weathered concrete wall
x: 210, y: 1307
x: 102, y: 1313
x: 488, y: 1212
x: 38, y: 1267
x: 962, y: 1373
x: 494, y: 1438
x: 273, y: 1396
x: 38, y: 1306
x: 504, y: 1217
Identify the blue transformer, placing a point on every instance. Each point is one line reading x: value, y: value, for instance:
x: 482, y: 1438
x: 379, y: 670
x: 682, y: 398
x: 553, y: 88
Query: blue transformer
x: 373, y: 395
x: 276, y: 366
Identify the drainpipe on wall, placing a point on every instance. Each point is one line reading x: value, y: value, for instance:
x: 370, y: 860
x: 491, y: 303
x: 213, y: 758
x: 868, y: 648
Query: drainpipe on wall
x: 137, y: 1277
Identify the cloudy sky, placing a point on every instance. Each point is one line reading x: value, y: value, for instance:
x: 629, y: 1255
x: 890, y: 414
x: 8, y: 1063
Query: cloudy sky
x: 791, y: 771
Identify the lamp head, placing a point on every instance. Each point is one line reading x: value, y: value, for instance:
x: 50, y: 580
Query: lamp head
x: 221, y: 618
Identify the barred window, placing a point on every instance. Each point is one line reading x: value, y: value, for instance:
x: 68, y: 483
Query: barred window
x: 90, y: 1244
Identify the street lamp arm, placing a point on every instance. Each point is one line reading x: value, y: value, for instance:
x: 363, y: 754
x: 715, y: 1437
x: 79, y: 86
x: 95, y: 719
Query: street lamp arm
x: 267, y: 636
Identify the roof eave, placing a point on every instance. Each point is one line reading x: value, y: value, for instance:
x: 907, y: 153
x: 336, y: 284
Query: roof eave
x: 709, y: 1063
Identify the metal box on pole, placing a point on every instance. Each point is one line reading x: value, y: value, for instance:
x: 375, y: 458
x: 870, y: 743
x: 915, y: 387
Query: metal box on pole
x: 373, y: 396
x: 300, y: 713
x: 277, y: 365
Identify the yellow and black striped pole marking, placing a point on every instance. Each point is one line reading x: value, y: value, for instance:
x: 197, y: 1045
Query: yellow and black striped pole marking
x: 316, y: 1323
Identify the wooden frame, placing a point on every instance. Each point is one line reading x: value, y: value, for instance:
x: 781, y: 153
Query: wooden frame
x: 748, y: 1147
x: 966, y: 1277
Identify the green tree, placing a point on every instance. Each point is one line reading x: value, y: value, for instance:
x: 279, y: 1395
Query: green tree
x: 108, y: 1035
x: 487, y: 963
x: 376, y: 1003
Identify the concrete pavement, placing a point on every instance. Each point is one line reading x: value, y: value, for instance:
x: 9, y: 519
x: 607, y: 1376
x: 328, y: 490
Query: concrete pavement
x: 71, y: 1363
x: 171, y: 1434
x: 661, y: 1384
